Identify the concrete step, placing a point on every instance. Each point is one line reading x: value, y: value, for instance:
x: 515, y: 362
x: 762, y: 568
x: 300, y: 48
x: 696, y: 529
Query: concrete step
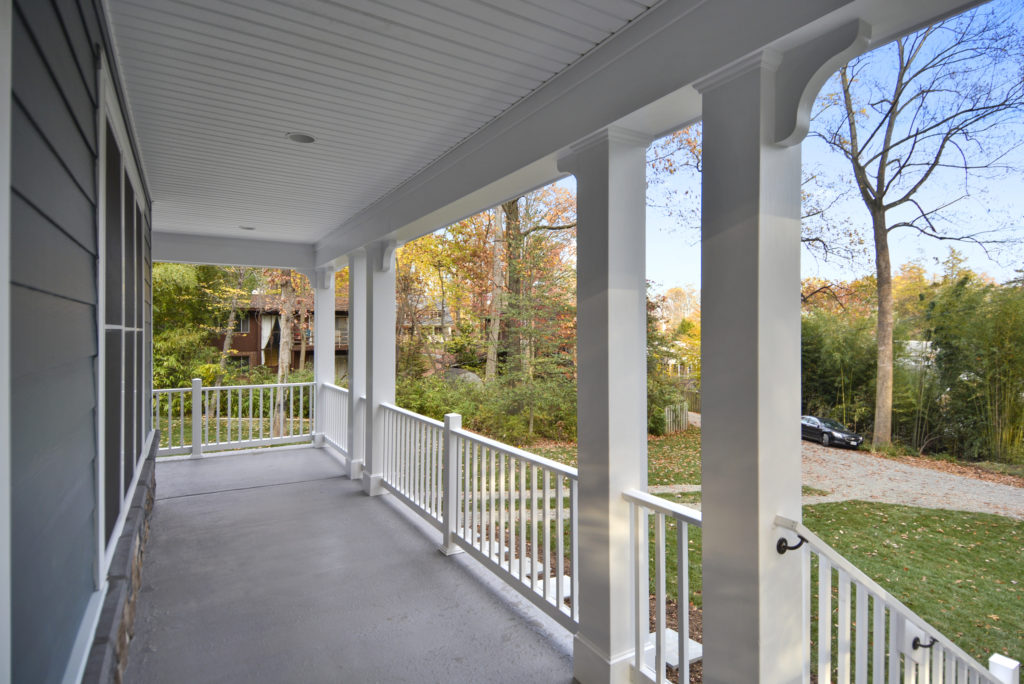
x: 671, y: 649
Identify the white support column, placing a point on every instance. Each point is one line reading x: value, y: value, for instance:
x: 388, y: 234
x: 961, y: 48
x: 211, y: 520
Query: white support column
x: 323, y: 343
x: 380, y: 355
x: 5, y: 346
x: 356, y: 363
x: 750, y: 308
x: 611, y: 391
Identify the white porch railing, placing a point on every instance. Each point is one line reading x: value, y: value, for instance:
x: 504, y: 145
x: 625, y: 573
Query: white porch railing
x: 333, y: 409
x: 655, y: 650
x: 516, y: 513
x: 412, y: 467
x: 201, y: 419
x: 513, y: 511
x: 874, y: 637
x: 172, y: 414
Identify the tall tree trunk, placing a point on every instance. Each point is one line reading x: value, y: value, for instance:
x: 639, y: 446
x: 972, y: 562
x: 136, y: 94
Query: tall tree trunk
x: 302, y: 340
x: 444, y: 329
x: 284, y: 356
x: 494, y: 325
x: 228, y: 337
x: 514, y: 276
x: 883, y: 379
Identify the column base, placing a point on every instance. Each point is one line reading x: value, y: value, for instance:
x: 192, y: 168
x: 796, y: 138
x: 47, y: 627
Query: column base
x: 450, y: 549
x: 589, y: 666
x: 318, y: 439
x: 372, y: 484
x: 355, y: 469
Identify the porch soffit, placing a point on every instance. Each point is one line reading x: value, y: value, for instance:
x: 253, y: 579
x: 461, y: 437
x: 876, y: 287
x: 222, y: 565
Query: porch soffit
x: 385, y: 87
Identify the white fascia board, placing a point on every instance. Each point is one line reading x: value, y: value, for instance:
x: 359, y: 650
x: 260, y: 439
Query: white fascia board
x: 221, y: 251
x: 662, y: 52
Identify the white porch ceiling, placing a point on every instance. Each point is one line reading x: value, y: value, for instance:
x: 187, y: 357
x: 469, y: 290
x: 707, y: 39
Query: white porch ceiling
x: 386, y: 87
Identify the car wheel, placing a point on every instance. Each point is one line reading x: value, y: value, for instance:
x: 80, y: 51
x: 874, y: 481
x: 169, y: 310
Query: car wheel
x: 825, y: 439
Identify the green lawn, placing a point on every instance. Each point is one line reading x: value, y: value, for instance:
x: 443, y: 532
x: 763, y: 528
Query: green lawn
x: 962, y: 572
x: 673, y: 459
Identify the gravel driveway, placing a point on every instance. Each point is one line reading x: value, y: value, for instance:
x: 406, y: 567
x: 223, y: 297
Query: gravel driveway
x: 851, y: 474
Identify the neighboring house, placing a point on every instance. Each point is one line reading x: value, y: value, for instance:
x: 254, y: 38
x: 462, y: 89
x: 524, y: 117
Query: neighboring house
x: 431, y: 323
x: 257, y: 337
x: 916, y: 354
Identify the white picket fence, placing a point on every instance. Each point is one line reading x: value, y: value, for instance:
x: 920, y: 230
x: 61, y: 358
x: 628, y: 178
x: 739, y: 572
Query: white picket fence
x: 677, y: 418
x: 692, y: 399
x: 513, y: 511
x: 874, y: 638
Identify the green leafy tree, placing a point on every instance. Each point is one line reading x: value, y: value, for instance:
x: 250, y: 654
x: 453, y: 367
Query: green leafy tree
x: 978, y: 335
x: 837, y: 365
x: 937, y: 108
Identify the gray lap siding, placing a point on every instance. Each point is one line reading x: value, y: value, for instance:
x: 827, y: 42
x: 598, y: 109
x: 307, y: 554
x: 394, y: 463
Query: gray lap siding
x: 53, y: 330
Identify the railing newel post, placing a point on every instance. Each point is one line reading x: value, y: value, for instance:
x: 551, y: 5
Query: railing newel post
x: 197, y: 417
x: 1005, y: 670
x: 450, y: 484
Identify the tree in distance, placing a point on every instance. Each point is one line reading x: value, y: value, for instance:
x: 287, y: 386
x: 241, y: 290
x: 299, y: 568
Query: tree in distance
x: 920, y: 121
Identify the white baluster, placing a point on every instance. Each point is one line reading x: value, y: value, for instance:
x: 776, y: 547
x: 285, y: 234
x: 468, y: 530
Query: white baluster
x: 824, y: 619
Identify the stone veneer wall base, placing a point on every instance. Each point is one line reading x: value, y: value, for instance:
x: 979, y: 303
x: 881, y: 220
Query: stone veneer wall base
x: 109, y: 655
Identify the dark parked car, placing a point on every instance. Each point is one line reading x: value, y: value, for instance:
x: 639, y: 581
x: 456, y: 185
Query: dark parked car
x: 828, y: 432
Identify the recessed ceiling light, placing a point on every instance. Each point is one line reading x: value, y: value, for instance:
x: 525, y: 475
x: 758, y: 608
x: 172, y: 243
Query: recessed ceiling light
x: 304, y: 138
x: 247, y: 227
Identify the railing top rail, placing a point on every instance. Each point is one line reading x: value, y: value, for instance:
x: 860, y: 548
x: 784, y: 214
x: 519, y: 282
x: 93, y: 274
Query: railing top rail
x: 412, y: 414
x: 561, y: 468
x: 684, y: 513
x: 856, y: 574
x: 331, y: 386
x: 267, y: 386
x: 171, y: 389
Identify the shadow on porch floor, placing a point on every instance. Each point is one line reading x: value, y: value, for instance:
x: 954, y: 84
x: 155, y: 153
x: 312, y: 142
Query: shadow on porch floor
x: 272, y: 567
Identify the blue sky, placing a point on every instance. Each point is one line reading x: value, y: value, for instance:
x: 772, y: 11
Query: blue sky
x: 673, y: 250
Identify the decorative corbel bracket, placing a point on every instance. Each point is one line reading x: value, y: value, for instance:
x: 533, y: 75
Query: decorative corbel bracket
x: 805, y: 69
x: 324, y: 276
x: 386, y: 252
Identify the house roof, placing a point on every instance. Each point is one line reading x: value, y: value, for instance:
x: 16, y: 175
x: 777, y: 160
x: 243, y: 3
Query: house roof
x: 271, y: 303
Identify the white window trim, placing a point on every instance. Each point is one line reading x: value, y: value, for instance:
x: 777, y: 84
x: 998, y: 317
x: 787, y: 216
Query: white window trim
x: 109, y: 113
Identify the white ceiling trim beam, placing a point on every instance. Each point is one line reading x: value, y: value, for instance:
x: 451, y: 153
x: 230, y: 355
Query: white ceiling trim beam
x: 222, y: 251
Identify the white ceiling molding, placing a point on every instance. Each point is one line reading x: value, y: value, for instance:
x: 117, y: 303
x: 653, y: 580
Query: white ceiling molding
x: 211, y: 249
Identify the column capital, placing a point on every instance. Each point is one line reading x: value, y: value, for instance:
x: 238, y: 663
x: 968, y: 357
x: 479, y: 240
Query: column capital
x: 796, y: 75
x: 324, y: 277
x: 382, y: 255
x: 569, y: 162
x: 766, y: 59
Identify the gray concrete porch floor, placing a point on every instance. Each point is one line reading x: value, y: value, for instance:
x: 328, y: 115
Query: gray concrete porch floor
x: 272, y: 567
